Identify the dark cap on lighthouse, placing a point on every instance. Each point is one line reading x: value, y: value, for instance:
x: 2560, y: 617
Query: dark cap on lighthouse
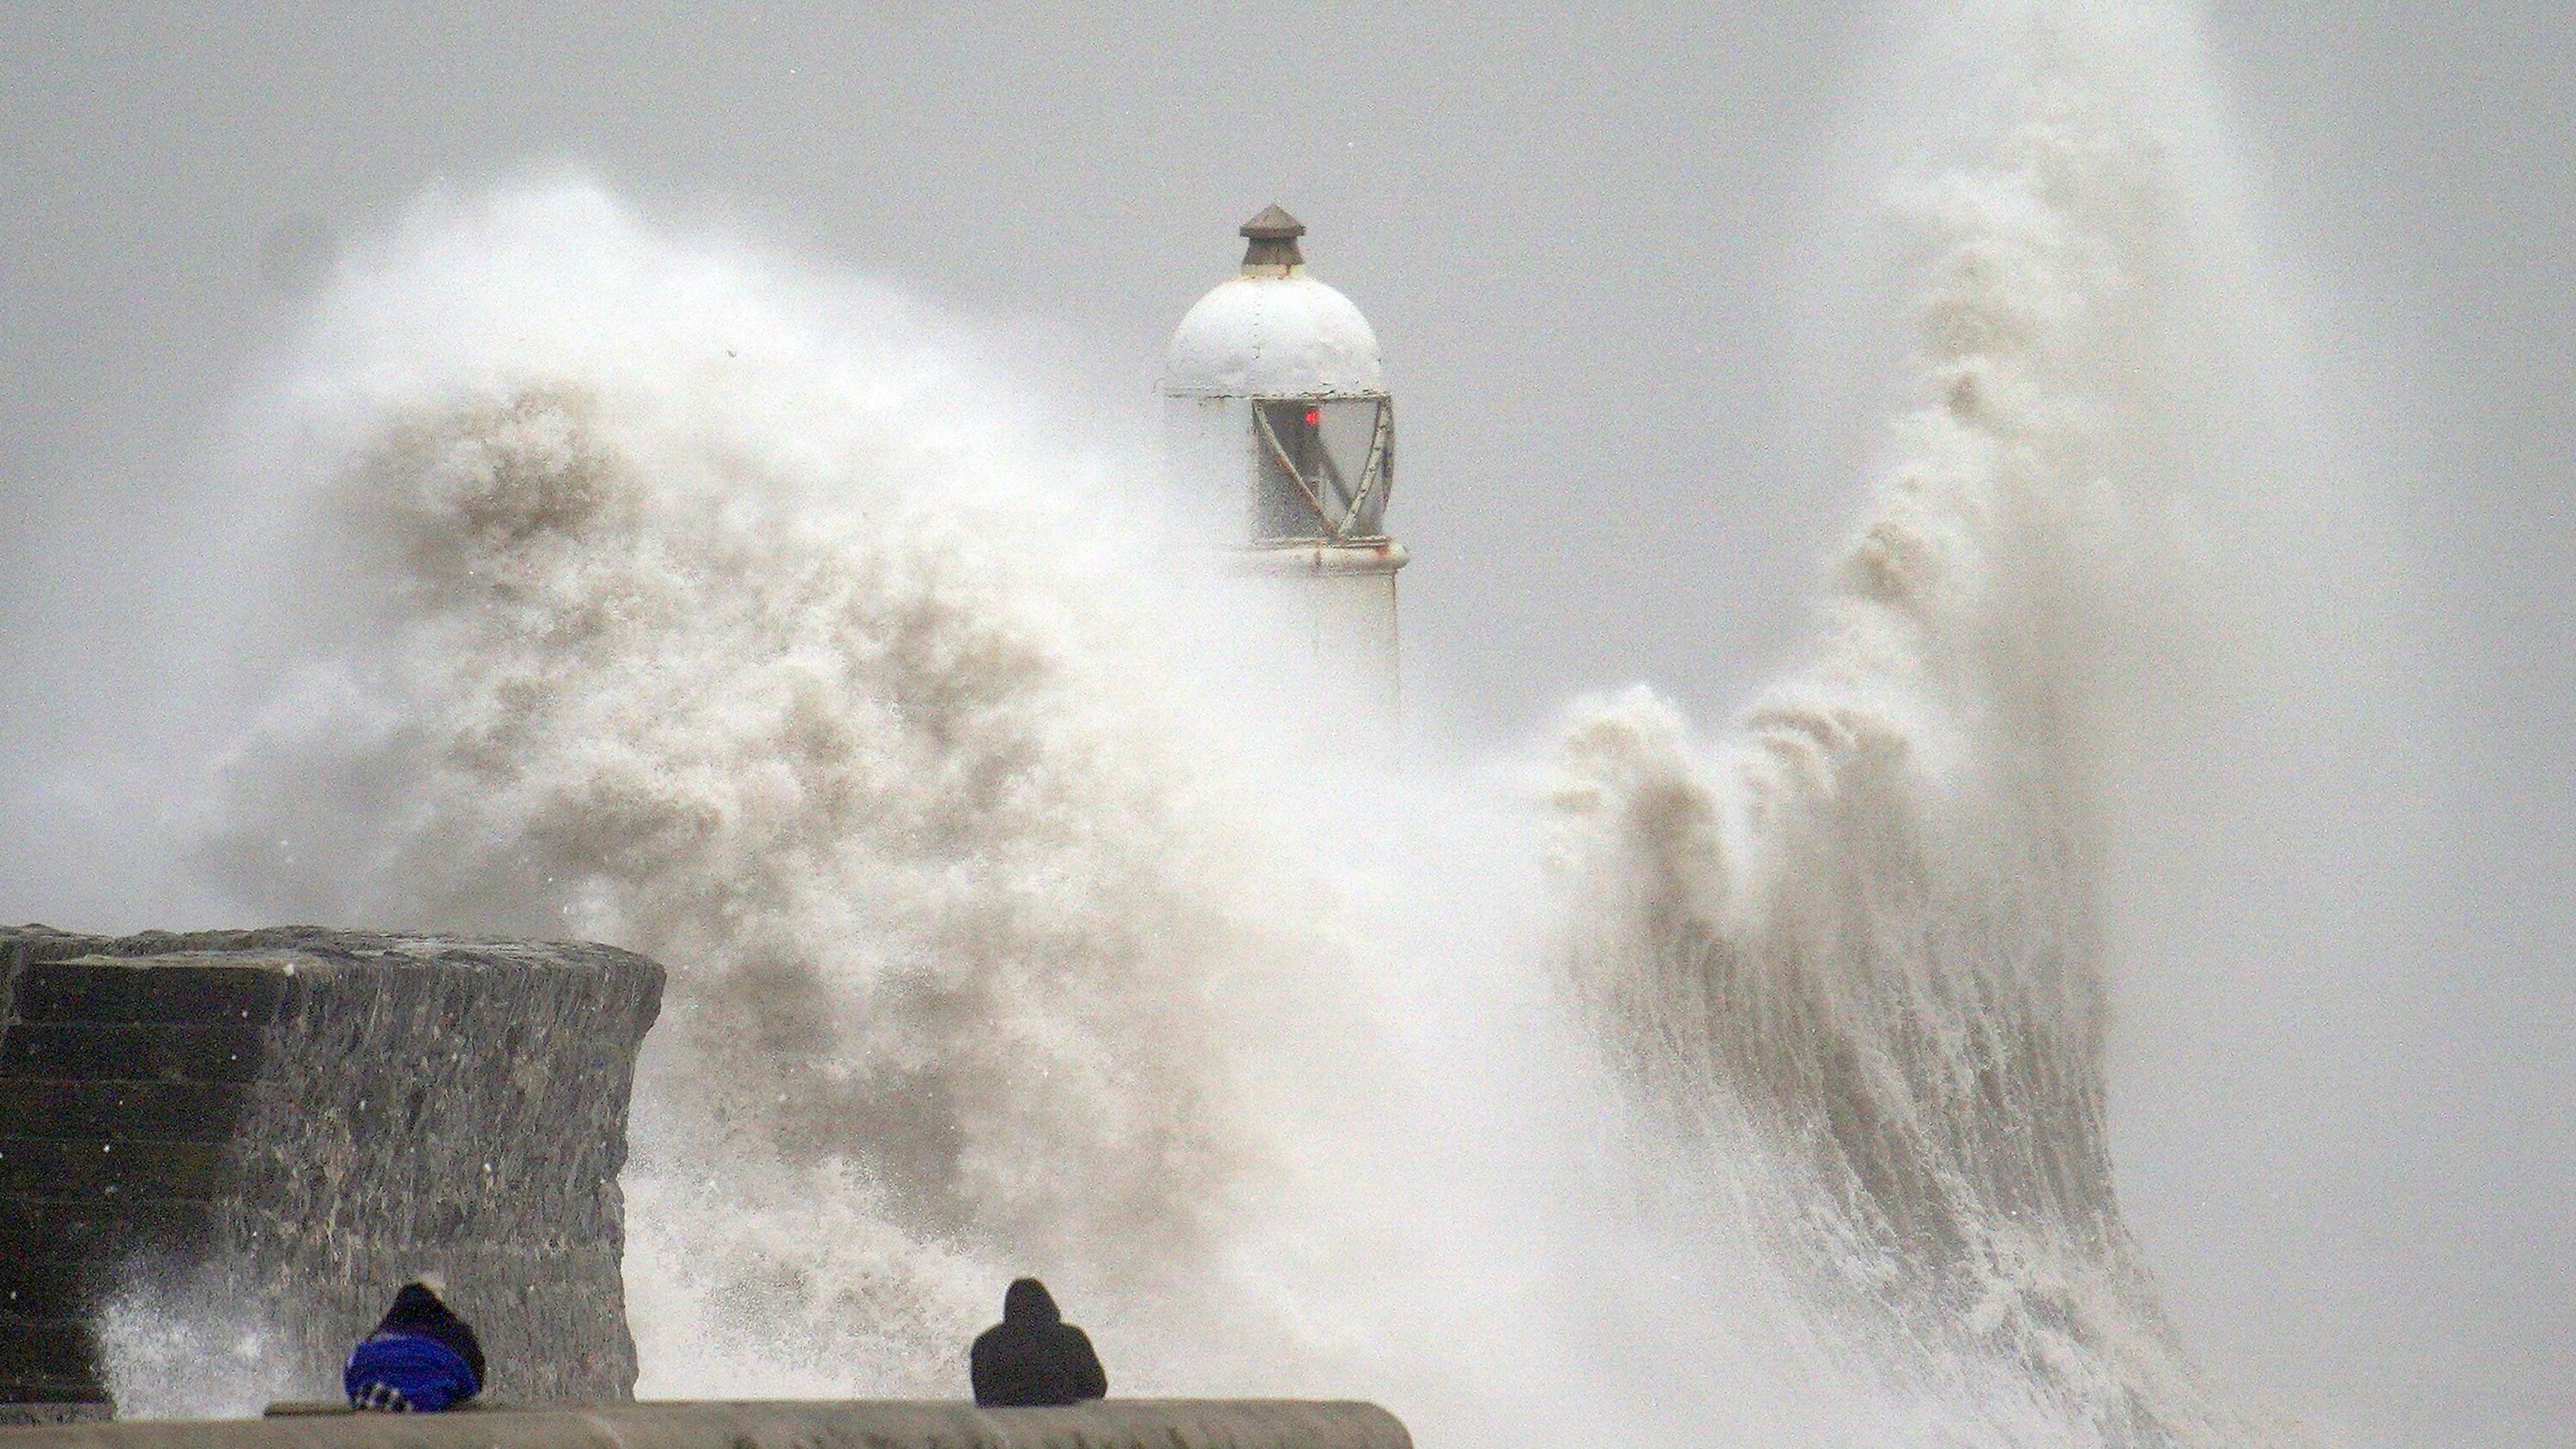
x: 1274, y: 236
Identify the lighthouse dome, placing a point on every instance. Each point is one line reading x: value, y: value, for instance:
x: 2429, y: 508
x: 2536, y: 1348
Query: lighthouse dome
x: 1274, y: 331
x: 1287, y: 336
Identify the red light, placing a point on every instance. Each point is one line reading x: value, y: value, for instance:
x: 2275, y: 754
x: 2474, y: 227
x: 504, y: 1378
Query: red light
x: 1314, y: 416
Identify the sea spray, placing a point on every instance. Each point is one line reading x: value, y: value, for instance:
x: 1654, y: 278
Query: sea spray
x: 727, y: 616
x: 1853, y: 951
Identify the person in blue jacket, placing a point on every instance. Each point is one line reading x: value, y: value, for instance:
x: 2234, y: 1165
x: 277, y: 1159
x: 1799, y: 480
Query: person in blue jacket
x: 421, y: 1359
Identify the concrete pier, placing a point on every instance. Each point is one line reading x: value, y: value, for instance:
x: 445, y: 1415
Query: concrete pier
x: 1110, y: 1424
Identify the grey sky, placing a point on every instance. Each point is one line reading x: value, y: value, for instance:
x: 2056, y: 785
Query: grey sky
x: 1631, y: 429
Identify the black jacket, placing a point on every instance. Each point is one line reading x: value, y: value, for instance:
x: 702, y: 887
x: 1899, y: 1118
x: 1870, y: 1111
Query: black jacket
x: 417, y: 1311
x: 1033, y: 1357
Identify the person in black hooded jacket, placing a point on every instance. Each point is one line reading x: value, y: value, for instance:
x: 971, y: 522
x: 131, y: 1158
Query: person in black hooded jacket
x: 1033, y: 1358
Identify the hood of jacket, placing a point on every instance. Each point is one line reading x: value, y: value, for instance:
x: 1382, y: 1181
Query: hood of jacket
x: 1028, y: 1301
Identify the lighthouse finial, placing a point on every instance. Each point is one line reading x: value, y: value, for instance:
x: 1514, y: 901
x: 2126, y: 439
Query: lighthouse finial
x: 1273, y: 235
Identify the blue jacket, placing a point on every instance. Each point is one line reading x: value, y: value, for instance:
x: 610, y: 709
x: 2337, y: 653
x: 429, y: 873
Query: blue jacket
x: 408, y: 1373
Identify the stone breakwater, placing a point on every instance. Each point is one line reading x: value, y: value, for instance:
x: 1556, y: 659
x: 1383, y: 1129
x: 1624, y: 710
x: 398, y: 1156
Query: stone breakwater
x: 278, y: 1127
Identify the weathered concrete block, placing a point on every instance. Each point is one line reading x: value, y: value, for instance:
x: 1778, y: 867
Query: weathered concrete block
x: 293, y: 1121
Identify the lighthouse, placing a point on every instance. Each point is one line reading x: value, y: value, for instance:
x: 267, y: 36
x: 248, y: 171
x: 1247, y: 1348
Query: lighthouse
x: 1273, y: 393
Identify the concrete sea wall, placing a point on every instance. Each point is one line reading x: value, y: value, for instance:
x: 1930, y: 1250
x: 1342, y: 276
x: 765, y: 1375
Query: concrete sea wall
x: 1114, y: 1424
x: 286, y: 1124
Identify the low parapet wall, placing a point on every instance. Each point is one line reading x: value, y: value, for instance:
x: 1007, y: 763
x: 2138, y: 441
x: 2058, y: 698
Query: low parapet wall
x: 269, y: 1130
x: 1111, y: 1424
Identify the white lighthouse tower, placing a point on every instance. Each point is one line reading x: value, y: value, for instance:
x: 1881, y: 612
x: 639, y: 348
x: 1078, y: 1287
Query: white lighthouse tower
x: 1274, y: 393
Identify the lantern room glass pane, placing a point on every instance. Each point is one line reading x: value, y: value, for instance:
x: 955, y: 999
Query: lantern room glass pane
x: 1322, y: 467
